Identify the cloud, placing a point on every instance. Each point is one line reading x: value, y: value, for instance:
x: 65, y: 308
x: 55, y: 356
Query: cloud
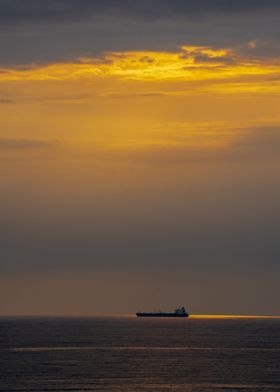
x: 18, y: 11
x: 134, y: 95
x: 257, y: 144
x: 86, y: 28
x: 5, y: 101
x: 189, y: 64
x: 10, y: 143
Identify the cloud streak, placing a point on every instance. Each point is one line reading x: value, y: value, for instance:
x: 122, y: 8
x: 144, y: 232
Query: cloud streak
x: 5, y: 101
x: 254, y: 144
x: 25, y: 144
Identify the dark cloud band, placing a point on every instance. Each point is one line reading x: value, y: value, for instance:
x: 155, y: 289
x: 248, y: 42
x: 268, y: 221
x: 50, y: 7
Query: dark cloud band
x: 18, y: 11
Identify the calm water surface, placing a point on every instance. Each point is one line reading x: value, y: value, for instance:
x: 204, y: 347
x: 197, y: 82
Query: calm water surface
x: 127, y: 354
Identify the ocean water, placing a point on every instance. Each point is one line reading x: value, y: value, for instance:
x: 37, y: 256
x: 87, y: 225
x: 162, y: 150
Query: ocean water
x: 127, y: 354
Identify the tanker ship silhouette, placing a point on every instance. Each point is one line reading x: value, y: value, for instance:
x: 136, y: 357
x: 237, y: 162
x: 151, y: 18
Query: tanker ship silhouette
x: 180, y: 312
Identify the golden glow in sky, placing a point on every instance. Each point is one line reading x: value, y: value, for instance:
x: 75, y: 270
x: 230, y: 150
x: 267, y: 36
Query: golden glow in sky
x: 140, y: 143
x: 199, y: 97
x: 191, y: 63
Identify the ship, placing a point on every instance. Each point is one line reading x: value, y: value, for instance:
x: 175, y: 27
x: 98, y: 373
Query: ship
x: 180, y: 312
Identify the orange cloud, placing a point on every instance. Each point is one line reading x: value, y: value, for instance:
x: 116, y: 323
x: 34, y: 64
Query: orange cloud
x: 190, y: 64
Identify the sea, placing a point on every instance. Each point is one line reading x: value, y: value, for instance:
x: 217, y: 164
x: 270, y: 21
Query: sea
x: 129, y: 354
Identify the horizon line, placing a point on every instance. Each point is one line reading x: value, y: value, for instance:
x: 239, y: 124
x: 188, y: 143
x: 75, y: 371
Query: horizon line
x: 192, y: 316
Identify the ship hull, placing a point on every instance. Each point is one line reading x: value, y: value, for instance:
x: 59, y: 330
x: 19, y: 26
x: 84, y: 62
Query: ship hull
x: 162, y: 315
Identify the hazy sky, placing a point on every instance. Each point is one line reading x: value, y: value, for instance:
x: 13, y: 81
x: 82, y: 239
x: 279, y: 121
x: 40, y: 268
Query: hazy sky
x: 139, y: 156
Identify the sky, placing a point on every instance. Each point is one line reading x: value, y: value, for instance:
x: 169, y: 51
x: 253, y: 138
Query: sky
x: 139, y: 156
